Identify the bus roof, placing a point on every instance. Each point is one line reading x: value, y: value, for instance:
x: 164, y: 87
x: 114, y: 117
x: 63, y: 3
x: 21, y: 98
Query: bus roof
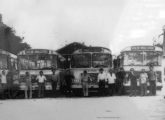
x: 142, y: 48
x: 37, y: 51
x: 7, y: 53
x: 93, y: 50
x: 40, y: 51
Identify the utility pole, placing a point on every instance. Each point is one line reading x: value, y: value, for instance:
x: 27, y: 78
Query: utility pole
x: 163, y: 62
x: 164, y: 41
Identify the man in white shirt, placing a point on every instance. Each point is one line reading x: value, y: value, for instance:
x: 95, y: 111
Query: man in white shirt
x: 143, y: 82
x: 111, y: 77
x: 41, y: 82
x: 3, y: 83
x: 101, y: 80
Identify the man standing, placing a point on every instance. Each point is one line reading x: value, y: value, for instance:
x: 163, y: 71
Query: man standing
x: 143, y: 83
x: 68, y: 80
x: 41, y: 82
x: 101, y: 80
x: 120, y: 80
x: 10, y: 89
x: 152, y: 80
x: 28, y: 86
x: 3, y: 83
x: 84, y: 80
x: 133, y: 80
x: 111, y: 77
x: 55, y: 79
x: 62, y: 82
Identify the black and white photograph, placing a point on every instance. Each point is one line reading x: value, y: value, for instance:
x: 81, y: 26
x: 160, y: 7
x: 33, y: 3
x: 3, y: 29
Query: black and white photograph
x: 82, y: 59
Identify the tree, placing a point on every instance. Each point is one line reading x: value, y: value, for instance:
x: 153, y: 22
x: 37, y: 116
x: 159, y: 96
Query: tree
x: 159, y: 45
x: 9, y: 41
x: 70, y: 48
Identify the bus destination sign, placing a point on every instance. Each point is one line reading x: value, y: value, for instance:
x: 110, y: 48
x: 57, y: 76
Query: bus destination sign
x: 37, y: 51
x: 148, y: 48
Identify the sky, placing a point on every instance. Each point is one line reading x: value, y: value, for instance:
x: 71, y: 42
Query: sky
x: 114, y: 24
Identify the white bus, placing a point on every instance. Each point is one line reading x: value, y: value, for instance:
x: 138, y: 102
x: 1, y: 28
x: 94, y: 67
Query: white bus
x: 8, y: 63
x: 35, y: 60
x: 141, y: 57
x: 90, y: 59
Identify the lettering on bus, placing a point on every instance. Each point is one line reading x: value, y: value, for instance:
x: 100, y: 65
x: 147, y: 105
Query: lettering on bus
x: 37, y: 51
x: 95, y: 49
x: 135, y: 48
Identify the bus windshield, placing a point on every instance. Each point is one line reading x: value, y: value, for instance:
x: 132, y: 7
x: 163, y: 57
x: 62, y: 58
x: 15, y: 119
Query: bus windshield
x: 101, y: 60
x: 142, y: 58
x: 133, y: 58
x: 38, y: 61
x: 3, y: 61
x: 153, y: 58
x: 81, y: 61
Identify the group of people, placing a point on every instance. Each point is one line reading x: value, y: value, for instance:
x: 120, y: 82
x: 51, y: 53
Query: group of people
x: 103, y: 79
x: 145, y: 79
x: 28, y: 84
x: 65, y: 86
x: 115, y: 81
x: 111, y: 82
x: 7, y: 86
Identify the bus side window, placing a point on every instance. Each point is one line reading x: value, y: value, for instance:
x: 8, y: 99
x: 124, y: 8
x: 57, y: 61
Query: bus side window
x: 13, y: 63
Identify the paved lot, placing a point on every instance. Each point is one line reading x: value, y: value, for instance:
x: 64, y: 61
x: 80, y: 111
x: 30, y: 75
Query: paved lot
x: 93, y: 108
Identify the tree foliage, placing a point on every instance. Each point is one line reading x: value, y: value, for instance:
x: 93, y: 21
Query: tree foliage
x: 159, y: 45
x: 9, y: 41
x: 70, y: 48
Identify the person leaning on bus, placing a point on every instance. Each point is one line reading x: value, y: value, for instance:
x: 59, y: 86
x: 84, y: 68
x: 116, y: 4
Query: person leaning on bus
x: 152, y: 80
x: 28, y: 85
x: 41, y: 82
x: 84, y: 80
x: 101, y: 80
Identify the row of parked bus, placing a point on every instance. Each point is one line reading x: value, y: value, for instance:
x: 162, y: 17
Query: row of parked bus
x: 90, y: 59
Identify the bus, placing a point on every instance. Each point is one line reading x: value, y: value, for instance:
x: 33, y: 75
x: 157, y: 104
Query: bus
x: 141, y: 57
x: 8, y: 63
x: 35, y: 60
x: 90, y: 59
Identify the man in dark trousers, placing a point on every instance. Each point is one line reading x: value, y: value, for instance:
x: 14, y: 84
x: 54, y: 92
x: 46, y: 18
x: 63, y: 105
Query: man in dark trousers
x: 152, y: 80
x: 68, y: 79
x: 62, y: 82
x: 133, y: 80
x: 120, y: 80
x: 101, y: 82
